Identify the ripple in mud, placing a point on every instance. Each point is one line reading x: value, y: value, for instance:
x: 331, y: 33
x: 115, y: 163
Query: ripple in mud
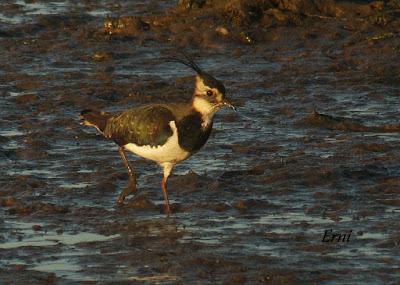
x: 252, y: 206
x: 65, y: 248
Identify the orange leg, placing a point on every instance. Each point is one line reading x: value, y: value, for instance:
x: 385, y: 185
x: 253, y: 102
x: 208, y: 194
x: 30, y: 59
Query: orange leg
x: 167, y: 168
x: 131, y: 187
x: 125, y: 161
x: 165, y: 193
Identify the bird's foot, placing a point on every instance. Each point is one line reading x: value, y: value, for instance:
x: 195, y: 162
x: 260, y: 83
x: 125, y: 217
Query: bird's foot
x: 167, y: 210
x: 129, y: 189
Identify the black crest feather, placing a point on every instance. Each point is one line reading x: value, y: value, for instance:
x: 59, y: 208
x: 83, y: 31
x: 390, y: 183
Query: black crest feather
x: 188, y: 61
x: 207, y: 78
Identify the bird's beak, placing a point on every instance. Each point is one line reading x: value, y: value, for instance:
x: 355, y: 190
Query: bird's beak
x: 226, y: 103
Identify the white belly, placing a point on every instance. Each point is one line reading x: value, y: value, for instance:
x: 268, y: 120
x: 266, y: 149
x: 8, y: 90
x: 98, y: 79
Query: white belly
x: 169, y: 152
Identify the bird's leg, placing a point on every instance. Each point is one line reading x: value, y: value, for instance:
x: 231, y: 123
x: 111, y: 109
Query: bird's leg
x: 167, y: 167
x: 131, y: 187
x: 166, y: 202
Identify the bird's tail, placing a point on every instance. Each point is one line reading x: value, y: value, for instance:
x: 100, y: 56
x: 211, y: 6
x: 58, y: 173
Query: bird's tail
x: 97, y: 119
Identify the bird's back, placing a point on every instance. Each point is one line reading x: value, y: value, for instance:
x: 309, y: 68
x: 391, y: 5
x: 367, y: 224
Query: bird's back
x: 144, y: 125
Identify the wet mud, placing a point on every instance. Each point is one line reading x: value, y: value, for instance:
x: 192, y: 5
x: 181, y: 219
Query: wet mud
x: 312, y: 147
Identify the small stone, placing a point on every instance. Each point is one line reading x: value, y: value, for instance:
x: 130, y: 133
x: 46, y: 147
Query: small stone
x: 36, y: 228
x: 222, y: 31
x: 240, y: 205
x: 19, y: 267
x: 8, y: 202
x: 101, y: 56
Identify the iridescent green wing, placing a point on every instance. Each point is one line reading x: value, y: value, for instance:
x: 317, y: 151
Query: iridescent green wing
x: 146, y: 125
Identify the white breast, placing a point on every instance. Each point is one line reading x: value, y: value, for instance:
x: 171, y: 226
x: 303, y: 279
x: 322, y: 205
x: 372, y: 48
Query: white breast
x: 169, y: 152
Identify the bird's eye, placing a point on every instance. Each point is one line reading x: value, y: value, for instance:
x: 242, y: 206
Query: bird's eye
x: 209, y: 93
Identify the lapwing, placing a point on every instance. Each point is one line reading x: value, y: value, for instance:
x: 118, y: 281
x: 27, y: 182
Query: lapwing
x: 164, y: 133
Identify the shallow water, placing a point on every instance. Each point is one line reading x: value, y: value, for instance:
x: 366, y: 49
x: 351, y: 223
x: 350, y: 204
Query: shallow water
x: 251, y: 206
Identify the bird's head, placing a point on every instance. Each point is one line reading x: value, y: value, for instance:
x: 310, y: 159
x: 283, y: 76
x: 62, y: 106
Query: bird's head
x: 209, y: 93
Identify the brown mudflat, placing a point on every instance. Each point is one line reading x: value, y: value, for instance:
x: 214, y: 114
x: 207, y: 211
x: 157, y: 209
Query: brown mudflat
x: 314, y: 145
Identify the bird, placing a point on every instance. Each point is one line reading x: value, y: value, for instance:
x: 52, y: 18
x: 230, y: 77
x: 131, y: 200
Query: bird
x: 165, y: 133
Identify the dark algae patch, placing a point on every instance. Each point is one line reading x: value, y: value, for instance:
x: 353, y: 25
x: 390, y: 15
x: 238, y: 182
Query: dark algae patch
x: 316, y: 119
x: 253, y: 206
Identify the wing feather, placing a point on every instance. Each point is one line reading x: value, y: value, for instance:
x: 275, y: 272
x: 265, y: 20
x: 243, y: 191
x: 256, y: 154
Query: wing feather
x: 146, y: 125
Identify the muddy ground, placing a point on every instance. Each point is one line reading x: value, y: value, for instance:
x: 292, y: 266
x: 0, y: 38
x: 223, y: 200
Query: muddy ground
x: 313, y: 146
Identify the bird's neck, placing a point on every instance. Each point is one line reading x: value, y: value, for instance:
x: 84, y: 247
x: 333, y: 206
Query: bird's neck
x: 205, y: 109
